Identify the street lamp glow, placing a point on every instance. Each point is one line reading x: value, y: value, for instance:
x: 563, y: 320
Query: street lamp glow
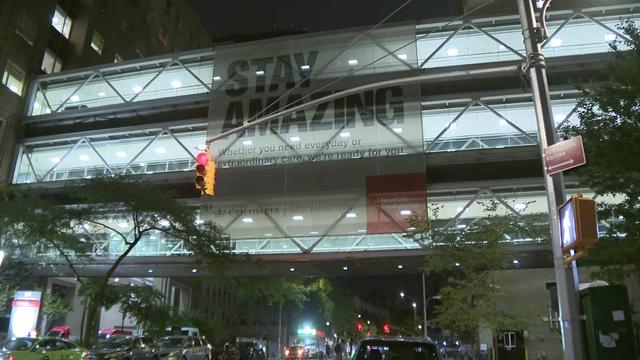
x: 414, y: 305
x: 328, y: 323
x: 359, y: 316
x: 402, y: 294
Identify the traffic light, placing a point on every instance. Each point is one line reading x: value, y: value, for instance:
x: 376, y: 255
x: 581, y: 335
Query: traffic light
x: 359, y: 326
x: 386, y: 328
x: 205, y: 179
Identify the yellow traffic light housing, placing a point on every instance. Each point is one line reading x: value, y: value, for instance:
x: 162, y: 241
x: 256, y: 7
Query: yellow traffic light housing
x: 578, y: 226
x: 205, y: 179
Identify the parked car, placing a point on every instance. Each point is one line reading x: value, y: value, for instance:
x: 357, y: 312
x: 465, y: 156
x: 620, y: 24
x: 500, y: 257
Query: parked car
x: 59, y: 331
x: 125, y: 348
x: 184, y: 348
x: 44, y: 348
x: 113, y: 331
x: 378, y: 348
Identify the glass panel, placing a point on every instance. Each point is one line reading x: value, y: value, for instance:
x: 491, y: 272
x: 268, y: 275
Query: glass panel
x: 61, y: 22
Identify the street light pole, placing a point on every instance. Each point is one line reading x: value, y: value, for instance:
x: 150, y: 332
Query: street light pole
x: 424, y: 304
x: 566, y: 278
x: 436, y: 297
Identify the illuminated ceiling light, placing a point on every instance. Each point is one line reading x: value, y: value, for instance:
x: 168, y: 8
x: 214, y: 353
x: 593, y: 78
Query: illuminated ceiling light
x: 194, y: 270
x: 461, y: 226
x: 123, y: 225
x: 83, y: 157
x: 402, y: 56
x: 405, y: 212
x: 176, y: 84
x: 305, y: 67
x: 116, y: 279
x: 164, y: 223
x: 351, y: 215
x: 539, y: 3
x: 247, y: 142
x: 75, y: 98
x: 519, y: 206
x: 411, y: 228
x: 459, y: 209
x: 400, y: 267
x: 150, y: 271
x: 345, y: 134
x: 314, y: 233
x: 452, y: 52
x: 152, y: 237
x: 362, y: 231
x: 260, y: 72
x: 268, y: 234
x: 353, y: 62
x: 161, y: 151
x: 295, y: 138
x: 453, y: 126
x: 503, y: 122
x: 55, y: 160
x: 297, y: 217
x: 344, y: 268
x: 247, y: 220
x: 136, y: 89
x: 501, y: 47
x: 608, y: 37
x: 216, y: 78
x: 292, y: 269
x: 102, y: 94
x: 555, y: 42
x: 121, y: 154
x: 516, y: 262
x: 397, y: 130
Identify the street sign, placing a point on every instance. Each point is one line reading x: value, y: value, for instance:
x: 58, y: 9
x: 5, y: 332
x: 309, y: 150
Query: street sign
x: 564, y: 155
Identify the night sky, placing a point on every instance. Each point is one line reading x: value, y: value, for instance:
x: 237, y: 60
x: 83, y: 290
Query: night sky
x: 224, y: 18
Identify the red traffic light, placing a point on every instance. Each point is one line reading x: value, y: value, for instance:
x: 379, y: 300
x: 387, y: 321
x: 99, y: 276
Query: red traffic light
x: 359, y: 326
x: 203, y: 158
x: 386, y: 328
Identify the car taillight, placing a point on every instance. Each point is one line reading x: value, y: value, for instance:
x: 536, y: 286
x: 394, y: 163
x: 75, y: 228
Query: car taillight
x: 300, y: 352
x: 12, y: 357
x: 286, y: 353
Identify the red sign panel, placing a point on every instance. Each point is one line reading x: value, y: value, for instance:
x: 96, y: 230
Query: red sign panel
x: 564, y: 155
x: 393, y: 199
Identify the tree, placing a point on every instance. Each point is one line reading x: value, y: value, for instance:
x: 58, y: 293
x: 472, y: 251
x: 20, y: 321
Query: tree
x: 609, y: 122
x: 14, y: 275
x: 54, y: 307
x: 144, y: 304
x: 469, y: 258
x: 82, y: 216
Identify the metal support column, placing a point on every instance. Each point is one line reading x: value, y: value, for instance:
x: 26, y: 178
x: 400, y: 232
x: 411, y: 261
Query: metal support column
x: 566, y: 278
x: 424, y: 304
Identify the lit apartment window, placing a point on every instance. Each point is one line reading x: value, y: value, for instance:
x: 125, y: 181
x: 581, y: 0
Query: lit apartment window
x: 26, y: 29
x: 13, y: 77
x: 61, y: 22
x: 97, y: 43
x: 51, y: 63
x: 117, y: 58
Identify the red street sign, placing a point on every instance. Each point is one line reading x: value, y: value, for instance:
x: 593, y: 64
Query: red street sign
x: 564, y: 155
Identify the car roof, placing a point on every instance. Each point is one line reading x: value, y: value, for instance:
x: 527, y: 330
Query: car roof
x: 398, y: 339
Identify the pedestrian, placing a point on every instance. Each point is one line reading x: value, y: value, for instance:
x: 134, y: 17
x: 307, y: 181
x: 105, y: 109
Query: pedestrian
x: 339, y: 349
x: 327, y: 350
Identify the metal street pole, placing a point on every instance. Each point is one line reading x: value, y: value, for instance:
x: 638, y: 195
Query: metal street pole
x: 280, y: 332
x: 424, y: 304
x: 566, y: 278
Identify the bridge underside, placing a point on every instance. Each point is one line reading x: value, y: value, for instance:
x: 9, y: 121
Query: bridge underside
x: 318, y: 264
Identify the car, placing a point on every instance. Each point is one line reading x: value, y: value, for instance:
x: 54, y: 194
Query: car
x: 45, y: 348
x: 113, y: 331
x: 295, y: 352
x: 392, y: 348
x: 59, y: 332
x: 125, y: 348
x: 184, y: 348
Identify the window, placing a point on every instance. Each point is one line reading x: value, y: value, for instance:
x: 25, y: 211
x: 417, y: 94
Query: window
x: 13, y: 77
x: 26, y: 29
x: 51, y: 63
x: 97, y: 43
x: 61, y: 22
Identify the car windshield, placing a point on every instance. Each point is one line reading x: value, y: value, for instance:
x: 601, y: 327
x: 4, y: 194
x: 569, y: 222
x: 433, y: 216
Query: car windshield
x: 170, y: 342
x: 115, y: 342
x: 18, y: 344
x: 401, y: 350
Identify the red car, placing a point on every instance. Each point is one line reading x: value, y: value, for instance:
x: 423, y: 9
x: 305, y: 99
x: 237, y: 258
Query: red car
x: 294, y: 352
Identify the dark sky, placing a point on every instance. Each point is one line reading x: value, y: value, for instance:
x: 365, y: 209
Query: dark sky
x: 223, y: 18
